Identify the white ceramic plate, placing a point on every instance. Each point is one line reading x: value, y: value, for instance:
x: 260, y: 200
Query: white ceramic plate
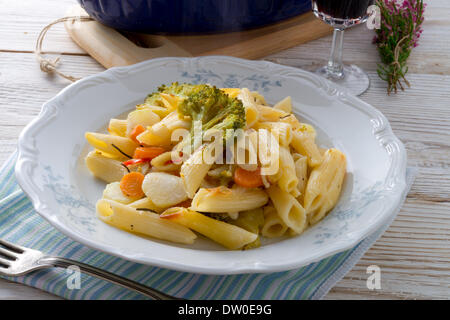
x: 51, y: 171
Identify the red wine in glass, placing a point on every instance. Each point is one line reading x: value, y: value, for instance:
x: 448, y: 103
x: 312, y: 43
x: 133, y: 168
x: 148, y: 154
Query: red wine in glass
x: 344, y: 9
x: 342, y: 14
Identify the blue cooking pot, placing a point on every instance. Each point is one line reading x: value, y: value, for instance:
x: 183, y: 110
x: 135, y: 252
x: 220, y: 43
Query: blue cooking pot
x: 191, y: 16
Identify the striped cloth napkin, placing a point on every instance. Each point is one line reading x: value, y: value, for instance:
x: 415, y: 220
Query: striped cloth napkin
x: 20, y: 224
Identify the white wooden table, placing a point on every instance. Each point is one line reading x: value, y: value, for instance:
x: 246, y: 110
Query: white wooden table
x: 414, y: 254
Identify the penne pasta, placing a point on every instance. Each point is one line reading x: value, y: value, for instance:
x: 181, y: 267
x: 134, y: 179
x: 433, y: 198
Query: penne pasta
x: 251, y: 110
x: 117, y: 127
x: 305, y: 127
x: 160, y: 133
x: 289, y: 209
x: 164, y: 162
x: 292, y: 120
x: 259, y: 98
x: 280, y: 130
x: 224, y: 200
x: 270, y: 114
x: 274, y: 178
x: 245, y: 151
x: 115, y: 145
x: 146, y: 203
x: 284, y: 105
x: 303, y: 143
x: 142, y: 222
x: 295, y: 193
x: 268, y: 153
x: 170, y: 101
x: 232, y: 92
x: 301, y: 171
x: 162, y: 112
x: 324, y: 185
x: 288, y: 180
x: 273, y: 226
x: 230, y: 236
x: 193, y: 171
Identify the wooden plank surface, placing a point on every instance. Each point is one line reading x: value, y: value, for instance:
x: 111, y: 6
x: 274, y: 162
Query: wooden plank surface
x: 414, y: 254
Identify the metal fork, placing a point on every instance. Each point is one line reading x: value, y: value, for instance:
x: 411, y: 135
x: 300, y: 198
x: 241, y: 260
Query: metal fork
x: 16, y: 260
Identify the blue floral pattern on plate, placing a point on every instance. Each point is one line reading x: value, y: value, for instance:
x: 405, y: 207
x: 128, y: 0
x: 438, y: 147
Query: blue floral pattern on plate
x: 349, y: 210
x: 79, y: 209
x: 255, y: 82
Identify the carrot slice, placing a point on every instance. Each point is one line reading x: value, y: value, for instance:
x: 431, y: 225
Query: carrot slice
x: 248, y: 179
x: 135, y: 132
x: 131, y: 184
x: 135, y: 161
x: 148, y: 152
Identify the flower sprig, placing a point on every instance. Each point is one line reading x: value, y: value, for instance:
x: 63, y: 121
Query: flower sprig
x: 399, y: 32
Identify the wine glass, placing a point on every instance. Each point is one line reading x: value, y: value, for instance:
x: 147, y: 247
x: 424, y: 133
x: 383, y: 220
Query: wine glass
x: 342, y: 14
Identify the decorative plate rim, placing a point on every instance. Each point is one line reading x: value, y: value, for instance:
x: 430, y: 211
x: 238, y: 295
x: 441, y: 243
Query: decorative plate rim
x: 395, y: 181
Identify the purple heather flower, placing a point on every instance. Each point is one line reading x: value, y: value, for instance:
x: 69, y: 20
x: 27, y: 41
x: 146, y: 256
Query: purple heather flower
x: 400, y: 20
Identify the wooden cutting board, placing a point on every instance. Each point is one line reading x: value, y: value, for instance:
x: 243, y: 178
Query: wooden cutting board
x: 112, y: 48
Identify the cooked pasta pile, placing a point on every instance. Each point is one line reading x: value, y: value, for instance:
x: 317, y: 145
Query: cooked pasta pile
x: 276, y: 183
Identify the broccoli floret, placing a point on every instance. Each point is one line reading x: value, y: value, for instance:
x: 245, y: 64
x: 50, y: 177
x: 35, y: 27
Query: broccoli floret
x: 153, y: 99
x: 182, y: 90
x: 205, y: 103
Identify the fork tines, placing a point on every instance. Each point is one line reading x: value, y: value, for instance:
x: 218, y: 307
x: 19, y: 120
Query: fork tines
x: 13, y: 247
x: 8, y: 253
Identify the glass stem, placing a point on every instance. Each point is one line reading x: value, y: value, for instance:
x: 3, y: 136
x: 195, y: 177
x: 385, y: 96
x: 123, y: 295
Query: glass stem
x: 335, y: 67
